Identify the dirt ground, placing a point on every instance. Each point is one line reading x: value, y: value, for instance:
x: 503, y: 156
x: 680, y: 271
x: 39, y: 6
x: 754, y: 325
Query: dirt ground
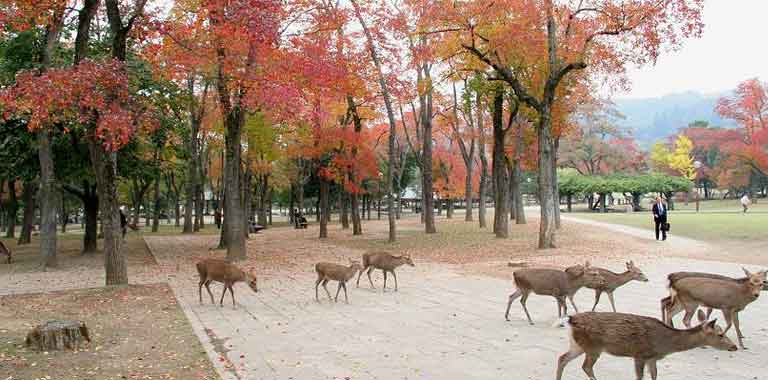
x: 137, y: 332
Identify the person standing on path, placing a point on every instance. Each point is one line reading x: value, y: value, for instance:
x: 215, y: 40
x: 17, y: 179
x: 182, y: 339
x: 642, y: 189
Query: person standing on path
x: 745, y: 202
x: 660, y: 218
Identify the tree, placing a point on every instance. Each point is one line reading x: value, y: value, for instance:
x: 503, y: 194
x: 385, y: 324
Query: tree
x: 541, y: 49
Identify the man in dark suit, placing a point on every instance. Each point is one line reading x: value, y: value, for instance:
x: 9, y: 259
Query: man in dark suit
x: 660, y: 218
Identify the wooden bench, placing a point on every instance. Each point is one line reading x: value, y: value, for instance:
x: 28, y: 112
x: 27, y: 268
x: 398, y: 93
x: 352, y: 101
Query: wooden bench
x: 254, y: 228
x: 301, y: 222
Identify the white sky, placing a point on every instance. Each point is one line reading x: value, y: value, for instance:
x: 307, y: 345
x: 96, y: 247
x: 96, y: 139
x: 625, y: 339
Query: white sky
x: 730, y: 51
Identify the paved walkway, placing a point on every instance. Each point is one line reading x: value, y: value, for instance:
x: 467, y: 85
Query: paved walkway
x: 440, y: 325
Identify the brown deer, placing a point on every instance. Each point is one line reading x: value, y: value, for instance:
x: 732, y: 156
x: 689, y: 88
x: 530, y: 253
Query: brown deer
x: 728, y: 296
x: 4, y: 251
x: 384, y: 261
x: 552, y: 282
x: 645, y: 339
x: 614, y: 280
x: 329, y: 271
x: 228, y: 274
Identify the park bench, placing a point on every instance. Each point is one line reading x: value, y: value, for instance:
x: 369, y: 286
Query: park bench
x: 301, y: 222
x: 254, y: 227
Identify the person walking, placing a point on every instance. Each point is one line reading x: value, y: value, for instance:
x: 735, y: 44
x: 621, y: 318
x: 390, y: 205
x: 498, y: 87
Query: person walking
x: 745, y: 202
x: 660, y: 218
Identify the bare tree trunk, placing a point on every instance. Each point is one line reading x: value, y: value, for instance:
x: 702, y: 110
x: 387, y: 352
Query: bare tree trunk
x: 344, y: 208
x: 324, y: 208
x: 156, y: 206
x: 191, y: 188
x: 449, y: 209
x: 27, y: 223
x: 48, y: 200
x: 500, y: 180
x: 11, y: 210
x: 546, y: 177
x: 357, y: 226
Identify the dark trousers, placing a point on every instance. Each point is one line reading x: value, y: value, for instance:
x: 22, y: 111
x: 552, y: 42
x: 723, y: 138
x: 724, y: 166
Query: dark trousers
x: 659, y: 222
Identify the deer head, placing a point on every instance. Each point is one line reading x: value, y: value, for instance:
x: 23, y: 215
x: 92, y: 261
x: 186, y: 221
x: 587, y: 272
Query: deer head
x: 713, y: 335
x: 637, y: 274
x: 250, y: 279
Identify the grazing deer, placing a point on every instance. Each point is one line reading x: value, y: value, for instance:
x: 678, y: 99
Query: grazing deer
x: 645, y: 339
x: 384, y: 261
x: 668, y: 306
x: 728, y: 296
x: 615, y: 280
x: 228, y: 274
x: 552, y: 282
x: 4, y: 251
x: 329, y: 271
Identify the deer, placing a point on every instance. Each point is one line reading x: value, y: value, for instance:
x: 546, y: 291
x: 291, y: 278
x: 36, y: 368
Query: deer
x: 728, y: 296
x: 552, y: 282
x: 4, y: 251
x: 329, y: 271
x: 670, y: 307
x: 645, y: 339
x: 228, y: 274
x: 384, y: 261
x: 615, y: 280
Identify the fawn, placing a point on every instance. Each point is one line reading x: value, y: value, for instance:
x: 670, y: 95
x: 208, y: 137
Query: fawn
x: 222, y: 271
x: 614, y: 280
x: 4, y: 251
x: 335, y: 272
x: 645, y: 339
x: 384, y: 261
x: 728, y: 296
x: 552, y: 282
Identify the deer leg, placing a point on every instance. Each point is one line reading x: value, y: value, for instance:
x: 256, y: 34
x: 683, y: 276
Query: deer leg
x: 210, y: 293
x: 522, y: 301
x: 687, y: 317
x: 232, y: 293
x: 570, y: 298
x: 338, y: 289
x: 664, y: 305
x: 652, y: 369
x: 639, y: 368
x: 385, y: 279
x: 369, y: 277
x: 395, y: 277
x: 360, y: 275
x: 317, y: 284
x: 344, y: 285
x: 728, y: 314
x: 709, y: 312
x: 598, y: 292
x: 562, y: 304
x: 221, y: 302
x: 200, y: 289
x: 512, y: 298
x: 589, y: 362
x: 674, y: 307
x: 610, y: 298
x: 736, y: 324
x: 325, y: 286
x: 573, y: 352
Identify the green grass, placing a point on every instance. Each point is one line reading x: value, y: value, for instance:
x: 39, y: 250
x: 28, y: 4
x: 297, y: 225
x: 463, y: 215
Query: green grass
x: 718, y: 205
x: 701, y: 226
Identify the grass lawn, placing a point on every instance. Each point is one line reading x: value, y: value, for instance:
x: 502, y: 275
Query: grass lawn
x: 702, y: 226
x: 720, y: 205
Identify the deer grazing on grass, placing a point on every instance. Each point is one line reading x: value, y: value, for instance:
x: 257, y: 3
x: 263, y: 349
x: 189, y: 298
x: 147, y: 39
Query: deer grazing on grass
x: 645, y: 339
x: 726, y: 295
x: 552, y: 282
x: 228, y: 274
x: 4, y: 251
x: 329, y: 271
x: 615, y: 280
x: 670, y: 307
x: 384, y: 261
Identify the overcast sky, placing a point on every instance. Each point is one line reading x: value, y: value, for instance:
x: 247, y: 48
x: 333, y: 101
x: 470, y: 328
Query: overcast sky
x: 732, y: 49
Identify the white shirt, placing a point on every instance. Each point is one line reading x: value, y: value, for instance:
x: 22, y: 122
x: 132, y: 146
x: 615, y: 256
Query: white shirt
x: 745, y: 200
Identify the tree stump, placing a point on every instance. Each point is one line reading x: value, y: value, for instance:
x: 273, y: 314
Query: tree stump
x: 58, y: 335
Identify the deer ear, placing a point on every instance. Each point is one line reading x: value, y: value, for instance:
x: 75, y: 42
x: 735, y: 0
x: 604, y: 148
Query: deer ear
x: 701, y: 316
x: 712, y: 324
x: 746, y: 272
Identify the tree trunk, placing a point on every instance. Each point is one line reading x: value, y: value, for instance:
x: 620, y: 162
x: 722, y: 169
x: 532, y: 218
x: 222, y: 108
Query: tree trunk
x: 555, y: 186
x: 11, y: 210
x: 357, y: 226
x: 64, y: 215
x: 156, y: 206
x: 517, y: 193
x: 91, y: 216
x: 449, y: 208
x: 105, y: 167
x: 192, y: 171
x: 27, y: 223
x: 482, y: 194
x: 47, y: 200
x: 58, y: 335
x: 233, y: 202
x: 247, y: 178
x: 499, y: 169
x: 324, y: 208
x: 569, y: 199
x: 546, y: 177
x: 603, y: 208
x: 344, y: 207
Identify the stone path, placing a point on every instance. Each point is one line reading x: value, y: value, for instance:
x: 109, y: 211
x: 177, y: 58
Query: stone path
x: 440, y: 325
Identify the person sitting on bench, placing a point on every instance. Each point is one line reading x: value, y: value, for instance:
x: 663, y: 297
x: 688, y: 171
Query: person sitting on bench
x: 299, y: 219
x: 255, y: 227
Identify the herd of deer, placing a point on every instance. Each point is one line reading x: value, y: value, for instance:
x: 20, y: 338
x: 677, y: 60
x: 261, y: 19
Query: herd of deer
x: 645, y: 339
